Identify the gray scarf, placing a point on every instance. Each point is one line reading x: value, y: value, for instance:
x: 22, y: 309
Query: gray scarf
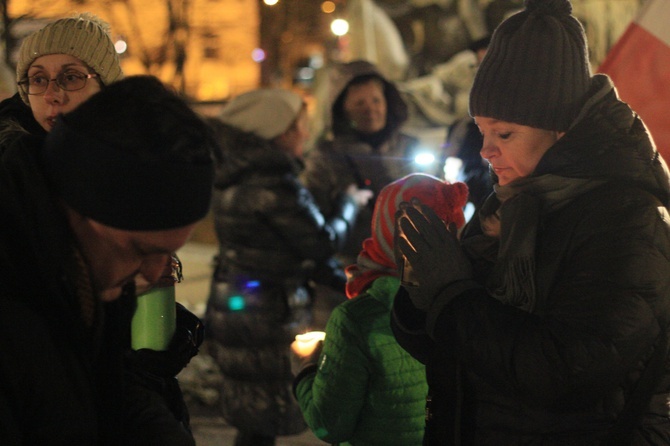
x: 510, y: 220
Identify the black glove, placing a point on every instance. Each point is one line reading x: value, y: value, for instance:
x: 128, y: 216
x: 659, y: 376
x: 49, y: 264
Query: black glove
x: 433, y: 251
x: 188, y: 336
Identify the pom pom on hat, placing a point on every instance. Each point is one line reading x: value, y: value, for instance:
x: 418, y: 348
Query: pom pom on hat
x: 267, y: 112
x: 84, y: 36
x: 536, y: 71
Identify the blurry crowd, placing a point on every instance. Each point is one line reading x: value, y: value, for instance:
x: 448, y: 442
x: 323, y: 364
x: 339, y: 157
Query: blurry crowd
x: 522, y: 299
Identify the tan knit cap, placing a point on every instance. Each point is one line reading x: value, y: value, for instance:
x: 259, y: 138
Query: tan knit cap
x: 84, y: 36
x: 266, y: 112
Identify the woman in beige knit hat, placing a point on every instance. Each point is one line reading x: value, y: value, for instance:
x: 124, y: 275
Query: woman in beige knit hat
x: 276, y: 246
x: 59, y: 67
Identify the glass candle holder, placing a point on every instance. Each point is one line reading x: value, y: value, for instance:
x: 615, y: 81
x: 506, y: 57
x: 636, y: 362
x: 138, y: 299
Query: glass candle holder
x: 305, y: 343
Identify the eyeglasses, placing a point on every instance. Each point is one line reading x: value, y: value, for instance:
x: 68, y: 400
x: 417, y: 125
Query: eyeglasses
x: 67, y: 80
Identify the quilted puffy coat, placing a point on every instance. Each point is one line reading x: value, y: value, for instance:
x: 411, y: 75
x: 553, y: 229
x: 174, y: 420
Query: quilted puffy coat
x: 273, y: 243
x: 562, y: 372
x: 367, y: 390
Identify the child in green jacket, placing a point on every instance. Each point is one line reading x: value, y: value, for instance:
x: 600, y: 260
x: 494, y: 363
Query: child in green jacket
x: 359, y: 387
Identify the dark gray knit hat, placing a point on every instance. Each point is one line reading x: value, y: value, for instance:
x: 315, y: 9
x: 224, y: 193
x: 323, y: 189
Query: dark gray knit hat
x: 135, y: 157
x: 536, y: 71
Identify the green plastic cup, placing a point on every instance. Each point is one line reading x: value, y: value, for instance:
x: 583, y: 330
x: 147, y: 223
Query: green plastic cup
x: 154, y: 321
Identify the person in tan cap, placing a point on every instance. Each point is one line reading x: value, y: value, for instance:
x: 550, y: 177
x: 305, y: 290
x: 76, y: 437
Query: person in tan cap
x: 59, y: 67
x: 275, y: 245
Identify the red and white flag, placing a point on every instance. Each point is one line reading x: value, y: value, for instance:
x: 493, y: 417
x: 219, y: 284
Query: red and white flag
x: 639, y: 65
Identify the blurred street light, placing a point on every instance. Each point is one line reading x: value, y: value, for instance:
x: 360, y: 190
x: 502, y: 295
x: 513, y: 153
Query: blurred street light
x: 339, y: 27
x: 258, y: 55
x: 120, y: 46
x: 328, y: 7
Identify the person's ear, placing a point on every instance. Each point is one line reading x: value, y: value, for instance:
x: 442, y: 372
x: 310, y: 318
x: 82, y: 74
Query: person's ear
x: 72, y: 215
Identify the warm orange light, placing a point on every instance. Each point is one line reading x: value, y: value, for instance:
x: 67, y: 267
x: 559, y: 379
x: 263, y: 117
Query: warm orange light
x: 327, y: 6
x: 305, y: 343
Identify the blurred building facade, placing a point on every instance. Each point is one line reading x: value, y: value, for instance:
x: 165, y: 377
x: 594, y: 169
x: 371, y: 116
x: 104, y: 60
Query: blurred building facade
x: 204, y: 48
x: 211, y: 50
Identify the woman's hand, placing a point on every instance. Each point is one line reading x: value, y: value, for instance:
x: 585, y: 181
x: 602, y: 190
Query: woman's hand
x: 432, y: 249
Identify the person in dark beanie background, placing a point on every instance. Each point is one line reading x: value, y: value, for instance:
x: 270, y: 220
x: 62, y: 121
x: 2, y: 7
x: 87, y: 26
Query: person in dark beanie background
x: 117, y: 188
x: 546, y: 322
x: 463, y: 142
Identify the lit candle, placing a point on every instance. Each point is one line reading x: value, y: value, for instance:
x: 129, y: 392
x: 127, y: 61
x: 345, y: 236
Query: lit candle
x: 305, y: 343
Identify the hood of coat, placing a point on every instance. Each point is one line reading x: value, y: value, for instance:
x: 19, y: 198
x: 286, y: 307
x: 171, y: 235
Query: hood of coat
x: 608, y: 141
x: 245, y: 154
x: 16, y: 118
x: 340, y: 78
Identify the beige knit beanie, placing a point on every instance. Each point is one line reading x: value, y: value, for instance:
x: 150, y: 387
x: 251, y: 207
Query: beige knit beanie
x: 84, y: 36
x: 266, y: 112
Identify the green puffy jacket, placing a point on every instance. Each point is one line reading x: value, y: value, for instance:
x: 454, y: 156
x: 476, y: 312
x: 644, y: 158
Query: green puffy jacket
x: 367, y: 389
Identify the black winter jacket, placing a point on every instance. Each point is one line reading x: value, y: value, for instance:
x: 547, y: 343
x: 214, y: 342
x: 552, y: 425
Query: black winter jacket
x: 274, y: 242
x: 266, y: 221
x: 563, y: 372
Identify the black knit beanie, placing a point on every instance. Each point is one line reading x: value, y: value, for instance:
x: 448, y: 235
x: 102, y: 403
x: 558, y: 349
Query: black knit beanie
x: 134, y: 157
x: 536, y: 71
